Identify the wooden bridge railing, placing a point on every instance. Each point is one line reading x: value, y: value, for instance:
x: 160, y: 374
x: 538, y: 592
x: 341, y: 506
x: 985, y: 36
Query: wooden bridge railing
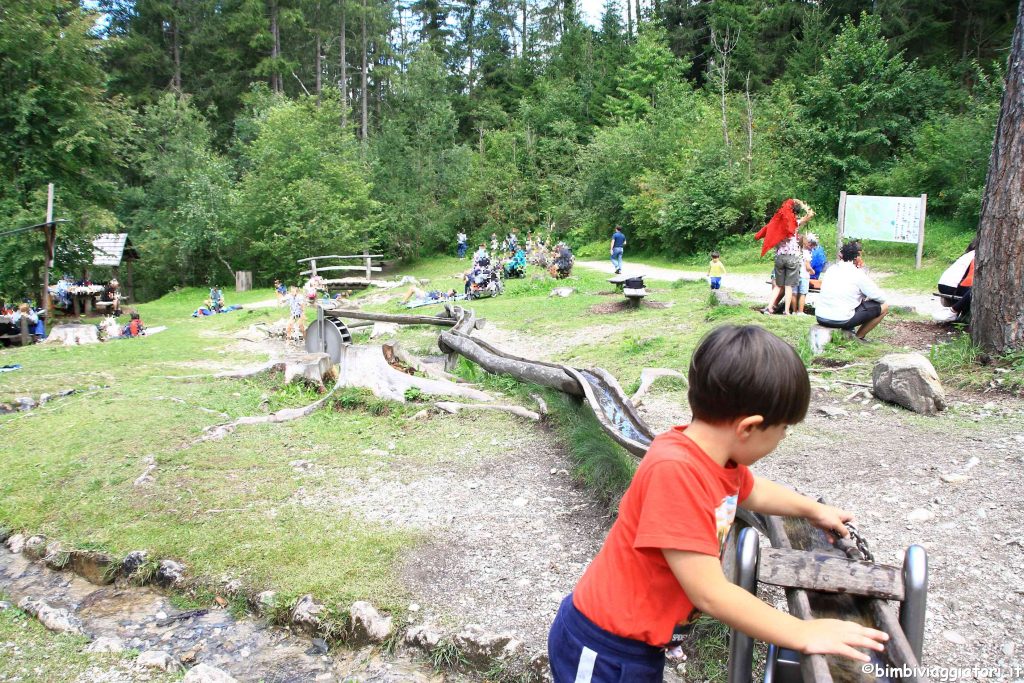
x: 368, y: 267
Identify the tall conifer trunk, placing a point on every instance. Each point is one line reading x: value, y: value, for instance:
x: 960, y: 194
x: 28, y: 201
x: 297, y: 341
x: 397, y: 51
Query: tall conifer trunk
x: 629, y: 19
x: 343, y: 68
x: 365, y: 91
x: 276, y: 83
x: 176, y: 53
x: 997, y: 306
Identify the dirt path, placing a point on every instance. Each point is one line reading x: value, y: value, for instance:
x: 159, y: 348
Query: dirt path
x: 755, y: 286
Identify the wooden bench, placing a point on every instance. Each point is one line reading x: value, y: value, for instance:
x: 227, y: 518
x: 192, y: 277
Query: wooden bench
x: 23, y: 336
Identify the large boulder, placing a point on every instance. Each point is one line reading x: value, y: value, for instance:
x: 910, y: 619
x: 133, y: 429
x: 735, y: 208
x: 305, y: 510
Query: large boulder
x: 909, y: 380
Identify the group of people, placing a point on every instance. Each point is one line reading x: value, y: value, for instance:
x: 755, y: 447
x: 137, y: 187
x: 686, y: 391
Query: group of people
x: 15, y: 314
x: 214, y: 304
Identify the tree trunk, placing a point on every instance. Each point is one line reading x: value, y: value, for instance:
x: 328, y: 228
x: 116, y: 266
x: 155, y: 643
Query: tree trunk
x: 525, y: 10
x: 319, y: 68
x: 276, y: 83
x: 176, y: 53
x: 343, y: 66
x: 750, y: 132
x: 997, y: 316
x: 365, y: 91
x: 629, y: 19
x: 637, y: 16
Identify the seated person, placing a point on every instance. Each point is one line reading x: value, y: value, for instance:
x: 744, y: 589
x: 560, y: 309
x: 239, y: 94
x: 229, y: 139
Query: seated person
x: 818, y: 259
x: 481, y: 254
x: 956, y: 283
x: 850, y: 299
x: 36, y: 327
x: 561, y: 266
x: 216, y: 298
x: 420, y: 297
x: 204, y: 310
x: 516, y: 267
x: 134, y: 328
x: 112, y: 293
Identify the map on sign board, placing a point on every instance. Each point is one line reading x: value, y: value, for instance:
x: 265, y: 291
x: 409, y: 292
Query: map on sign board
x: 887, y: 219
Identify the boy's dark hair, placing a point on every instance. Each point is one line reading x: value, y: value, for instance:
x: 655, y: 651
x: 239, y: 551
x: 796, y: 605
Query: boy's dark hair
x: 715, y: 254
x: 741, y: 371
x: 850, y: 251
x: 135, y: 316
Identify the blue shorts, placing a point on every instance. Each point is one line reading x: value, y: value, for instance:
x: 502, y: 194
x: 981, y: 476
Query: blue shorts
x: 716, y: 283
x: 804, y: 285
x: 580, y: 651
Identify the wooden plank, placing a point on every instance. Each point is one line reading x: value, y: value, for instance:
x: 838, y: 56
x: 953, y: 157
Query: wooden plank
x: 321, y: 269
x: 898, y: 648
x: 828, y: 573
x: 920, y: 230
x: 358, y: 256
x: 812, y: 667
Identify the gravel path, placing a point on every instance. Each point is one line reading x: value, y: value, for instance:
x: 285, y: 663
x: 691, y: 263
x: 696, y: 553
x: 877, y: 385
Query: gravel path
x: 756, y: 286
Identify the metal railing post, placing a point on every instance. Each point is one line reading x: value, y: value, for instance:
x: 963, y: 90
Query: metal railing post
x: 741, y: 646
x: 915, y: 597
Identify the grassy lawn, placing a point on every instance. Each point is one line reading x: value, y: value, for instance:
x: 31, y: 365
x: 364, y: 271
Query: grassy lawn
x: 235, y: 506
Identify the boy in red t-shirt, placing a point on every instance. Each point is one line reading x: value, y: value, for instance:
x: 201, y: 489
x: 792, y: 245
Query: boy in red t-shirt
x: 660, y: 565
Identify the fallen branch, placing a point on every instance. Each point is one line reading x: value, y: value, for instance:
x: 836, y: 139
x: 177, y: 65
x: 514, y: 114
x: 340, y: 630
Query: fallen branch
x: 394, y: 351
x: 853, y: 384
x: 454, y: 408
x: 647, y: 378
x: 541, y: 403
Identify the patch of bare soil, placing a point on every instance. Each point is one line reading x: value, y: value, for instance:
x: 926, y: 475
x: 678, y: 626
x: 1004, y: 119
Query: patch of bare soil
x: 915, y: 335
x: 625, y: 306
x: 546, y: 347
x: 509, y: 532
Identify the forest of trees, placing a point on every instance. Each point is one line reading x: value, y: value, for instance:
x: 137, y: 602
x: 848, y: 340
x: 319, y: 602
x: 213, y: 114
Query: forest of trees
x: 249, y: 133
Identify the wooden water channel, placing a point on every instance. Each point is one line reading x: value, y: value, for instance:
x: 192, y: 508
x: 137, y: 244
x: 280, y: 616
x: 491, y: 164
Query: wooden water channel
x: 823, y: 577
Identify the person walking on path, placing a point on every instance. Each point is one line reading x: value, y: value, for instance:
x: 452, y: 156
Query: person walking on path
x: 618, y: 242
x: 463, y: 243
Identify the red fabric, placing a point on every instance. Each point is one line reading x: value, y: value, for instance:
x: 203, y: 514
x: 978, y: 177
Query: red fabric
x: 782, y: 226
x: 135, y: 327
x: 968, y: 280
x: 679, y: 499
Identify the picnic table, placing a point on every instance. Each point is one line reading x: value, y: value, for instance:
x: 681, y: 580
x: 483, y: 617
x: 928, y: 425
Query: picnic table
x: 23, y: 336
x: 632, y: 286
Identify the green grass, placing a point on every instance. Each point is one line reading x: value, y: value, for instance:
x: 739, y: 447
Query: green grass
x: 28, y: 652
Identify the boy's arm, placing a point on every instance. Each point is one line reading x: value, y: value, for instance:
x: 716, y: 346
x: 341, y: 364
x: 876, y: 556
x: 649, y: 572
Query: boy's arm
x: 707, y: 588
x: 770, y: 498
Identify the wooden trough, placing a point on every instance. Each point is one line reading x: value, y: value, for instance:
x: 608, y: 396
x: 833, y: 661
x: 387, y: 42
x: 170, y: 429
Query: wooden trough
x: 823, y: 577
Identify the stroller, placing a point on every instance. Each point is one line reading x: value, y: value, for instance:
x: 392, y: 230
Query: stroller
x: 516, y: 266
x: 484, y: 281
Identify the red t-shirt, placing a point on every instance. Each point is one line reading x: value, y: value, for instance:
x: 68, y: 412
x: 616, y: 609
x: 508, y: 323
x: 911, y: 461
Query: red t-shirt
x: 679, y: 499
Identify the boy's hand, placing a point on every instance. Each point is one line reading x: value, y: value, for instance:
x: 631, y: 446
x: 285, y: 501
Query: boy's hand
x: 836, y: 637
x: 831, y: 519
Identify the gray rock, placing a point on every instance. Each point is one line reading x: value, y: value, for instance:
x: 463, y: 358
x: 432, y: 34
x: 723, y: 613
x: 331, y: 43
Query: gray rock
x: 381, y: 329
x: 306, y: 613
x: 26, y: 403
x: 106, y: 644
x: 15, y: 543
x: 54, y: 619
x: 266, y: 600
x: 561, y: 292
x: 44, y: 399
x: 423, y: 637
x: 4, y: 605
x: 55, y: 556
x: 158, y: 659
x: 35, y: 546
x: 831, y: 411
x: 134, y: 560
x: 481, y: 647
x: 170, y: 573
x: 920, y: 515
x: 909, y: 380
x: 819, y: 337
x: 368, y: 624
x: 204, y: 673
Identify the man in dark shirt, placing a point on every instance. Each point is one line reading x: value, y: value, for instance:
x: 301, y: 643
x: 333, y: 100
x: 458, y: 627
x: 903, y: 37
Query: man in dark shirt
x: 618, y: 242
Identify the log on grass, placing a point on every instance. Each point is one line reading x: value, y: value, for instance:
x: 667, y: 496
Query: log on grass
x: 455, y: 408
x: 395, y: 353
x: 647, y: 378
x: 499, y: 365
x: 401, y: 319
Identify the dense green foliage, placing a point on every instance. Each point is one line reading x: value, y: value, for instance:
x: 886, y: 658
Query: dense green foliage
x: 245, y: 134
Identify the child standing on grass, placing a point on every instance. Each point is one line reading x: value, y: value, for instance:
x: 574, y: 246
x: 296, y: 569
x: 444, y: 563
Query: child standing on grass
x: 716, y: 270
x: 297, y: 306
x: 660, y: 567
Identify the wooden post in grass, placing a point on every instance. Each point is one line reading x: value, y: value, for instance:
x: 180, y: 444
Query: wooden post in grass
x: 49, y: 230
x: 841, y: 225
x: 920, y: 230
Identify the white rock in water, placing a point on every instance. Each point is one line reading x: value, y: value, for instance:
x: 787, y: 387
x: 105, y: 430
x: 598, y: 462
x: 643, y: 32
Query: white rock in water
x: 204, y: 673
x: 106, y: 644
x: 920, y: 515
x: 158, y: 659
x: 954, y: 637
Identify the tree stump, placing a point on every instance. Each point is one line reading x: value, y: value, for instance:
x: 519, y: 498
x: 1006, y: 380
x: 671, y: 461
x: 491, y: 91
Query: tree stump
x: 74, y: 334
x: 308, y: 367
